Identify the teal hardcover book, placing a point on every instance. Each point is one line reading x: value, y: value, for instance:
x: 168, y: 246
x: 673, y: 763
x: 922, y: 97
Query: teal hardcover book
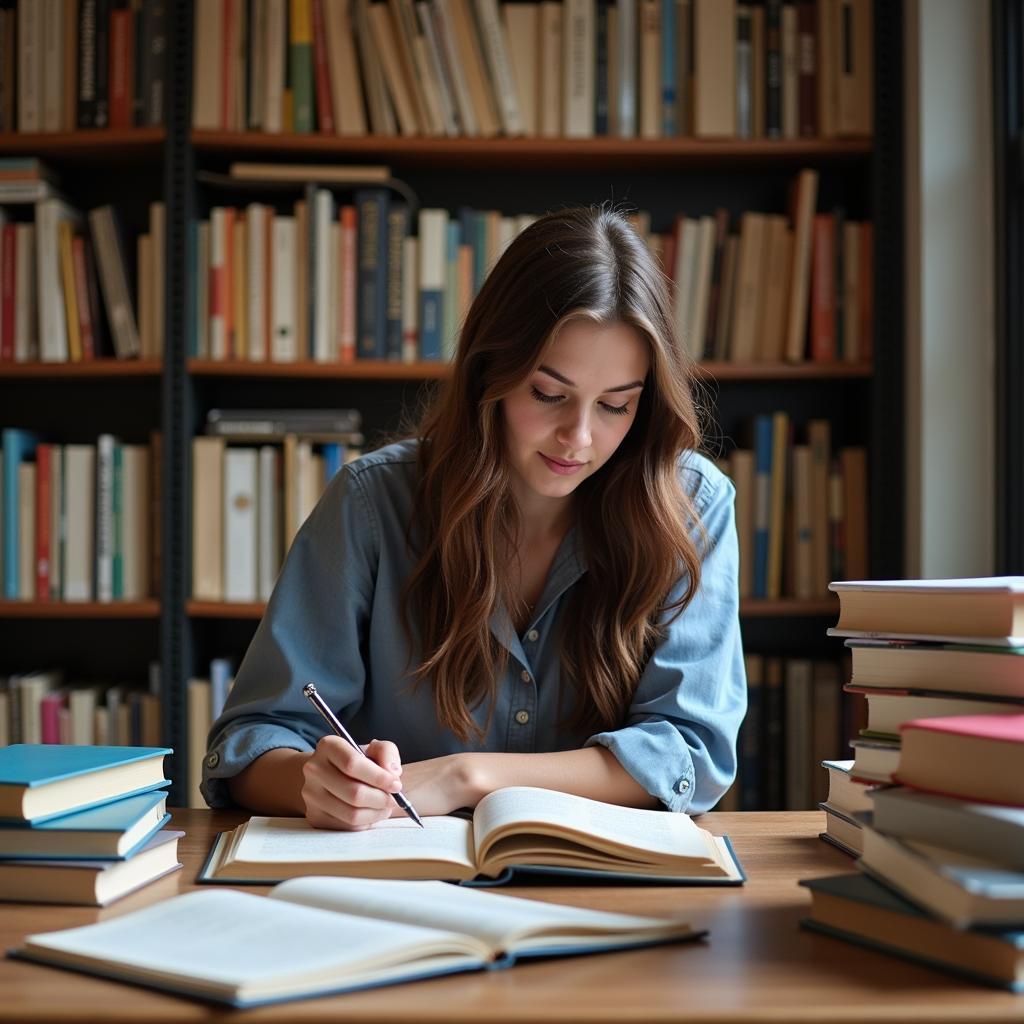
x: 39, y: 781
x: 112, y: 831
x: 860, y: 910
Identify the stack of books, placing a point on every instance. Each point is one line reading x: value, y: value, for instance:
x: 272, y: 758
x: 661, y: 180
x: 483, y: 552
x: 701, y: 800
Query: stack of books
x: 82, y: 824
x: 942, y: 842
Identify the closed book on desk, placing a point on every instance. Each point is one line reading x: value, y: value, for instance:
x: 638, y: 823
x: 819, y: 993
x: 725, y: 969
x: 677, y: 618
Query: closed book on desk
x: 297, y: 942
x: 860, y: 910
x: 112, y: 831
x: 93, y: 883
x: 987, y: 610
x: 41, y: 781
x: 514, y: 831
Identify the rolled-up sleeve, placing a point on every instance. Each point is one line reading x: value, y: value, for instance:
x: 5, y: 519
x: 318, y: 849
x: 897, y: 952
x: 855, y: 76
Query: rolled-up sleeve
x: 679, y: 740
x: 314, y: 630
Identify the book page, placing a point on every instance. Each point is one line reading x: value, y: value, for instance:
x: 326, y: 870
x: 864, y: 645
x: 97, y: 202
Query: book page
x: 226, y: 942
x: 503, y: 922
x: 660, y: 834
x: 295, y: 841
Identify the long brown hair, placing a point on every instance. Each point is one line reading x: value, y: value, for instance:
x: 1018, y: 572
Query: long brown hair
x: 633, y: 515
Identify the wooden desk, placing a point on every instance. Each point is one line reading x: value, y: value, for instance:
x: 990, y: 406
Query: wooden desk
x: 756, y: 965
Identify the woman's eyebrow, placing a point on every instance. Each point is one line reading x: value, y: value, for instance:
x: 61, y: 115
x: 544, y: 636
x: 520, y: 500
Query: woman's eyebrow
x: 565, y: 380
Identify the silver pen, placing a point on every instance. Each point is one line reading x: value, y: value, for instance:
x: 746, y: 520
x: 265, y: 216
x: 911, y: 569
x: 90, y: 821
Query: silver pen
x: 332, y: 720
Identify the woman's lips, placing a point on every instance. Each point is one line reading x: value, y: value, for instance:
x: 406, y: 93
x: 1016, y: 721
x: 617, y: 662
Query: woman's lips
x: 561, y: 468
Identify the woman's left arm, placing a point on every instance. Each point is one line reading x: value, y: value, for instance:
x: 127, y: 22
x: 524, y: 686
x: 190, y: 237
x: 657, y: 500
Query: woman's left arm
x: 677, y: 748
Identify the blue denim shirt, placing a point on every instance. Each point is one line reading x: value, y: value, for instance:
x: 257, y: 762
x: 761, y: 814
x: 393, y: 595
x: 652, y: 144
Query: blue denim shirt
x: 334, y: 619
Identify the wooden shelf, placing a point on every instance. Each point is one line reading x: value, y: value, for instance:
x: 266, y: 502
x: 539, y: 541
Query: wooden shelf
x: 382, y: 370
x: 533, y: 153
x: 96, y: 146
x: 751, y: 608
x: 148, y: 609
x: 87, y: 368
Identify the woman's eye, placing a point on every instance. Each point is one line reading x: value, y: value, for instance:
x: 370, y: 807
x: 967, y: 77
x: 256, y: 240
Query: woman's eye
x: 542, y: 397
x: 618, y: 410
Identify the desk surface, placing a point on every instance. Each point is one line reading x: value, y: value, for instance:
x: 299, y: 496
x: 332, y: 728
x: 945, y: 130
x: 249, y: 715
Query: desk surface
x: 756, y: 965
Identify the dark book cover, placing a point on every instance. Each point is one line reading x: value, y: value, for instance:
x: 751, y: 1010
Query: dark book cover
x: 397, y: 229
x: 86, y: 112
x: 102, y: 108
x: 372, y: 211
x: 807, y: 64
x: 151, y: 63
x: 601, y: 98
x: 773, y: 69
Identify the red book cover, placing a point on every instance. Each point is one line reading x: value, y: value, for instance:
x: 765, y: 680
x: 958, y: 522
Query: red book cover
x: 807, y: 70
x: 44, y: 459
x: 85, y: 331
x: 321, y: 76
x: 228, y: 282
x: 823, y: 292
x: 997, y: 728
x: 867, y: 291
x: 50, y: 708
x: 122, y: 76
x: 349, y: 221
x: 7, y: 293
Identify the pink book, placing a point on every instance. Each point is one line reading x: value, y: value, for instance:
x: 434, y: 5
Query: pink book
x: 49, y: 713
x: 971, y: 757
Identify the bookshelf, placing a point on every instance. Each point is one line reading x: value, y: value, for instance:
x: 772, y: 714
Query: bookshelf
x: 862, y: 400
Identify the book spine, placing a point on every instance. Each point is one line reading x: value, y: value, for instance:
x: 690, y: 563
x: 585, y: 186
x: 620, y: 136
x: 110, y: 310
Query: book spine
x: 324, y: 101
x: 86, y: 107
x: 398, y: 228
x: 669, y: 99
x: 8, y: 290
x: 410, y: 299
x: 762, y: 502
x: 807, y: 88
x: 105, y: 517
x: 371, y: 207
x: 347, y: 292
x: 117, y: 508
x: 283, y: 343
x: 121, y: 74
x: 85, y: 330
x: 433, y: 238
x: 44, y: 470
x: 823, y: 314
x: 154, y: 61
x: 773, y: 68
x: 301, y: 65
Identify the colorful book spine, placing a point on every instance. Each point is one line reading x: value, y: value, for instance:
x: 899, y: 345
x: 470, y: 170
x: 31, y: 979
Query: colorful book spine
x: 300, y: 65
x: 433, y: 245
x: 18, y: 445
x: 371, y: 214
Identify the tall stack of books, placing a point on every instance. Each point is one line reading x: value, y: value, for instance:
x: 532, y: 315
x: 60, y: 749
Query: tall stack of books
x: 82, y: 824
x: 942, y: 846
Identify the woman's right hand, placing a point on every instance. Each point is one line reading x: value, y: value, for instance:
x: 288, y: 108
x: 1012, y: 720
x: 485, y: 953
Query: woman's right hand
x: 341, y: 789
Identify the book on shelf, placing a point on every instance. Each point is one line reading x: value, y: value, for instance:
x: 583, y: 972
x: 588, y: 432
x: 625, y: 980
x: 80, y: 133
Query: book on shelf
x: 965, y: 890
x: 42, y: 781
x: 860, y: 910
x: 974, y: 757
x: 112, y: 831
x: 212, y: 945
x: 982, y: 830
x: 956, y: 668
x: 335, y: 174
x: 514, y: 831
x: 979, y: 611
x: 93, y: 883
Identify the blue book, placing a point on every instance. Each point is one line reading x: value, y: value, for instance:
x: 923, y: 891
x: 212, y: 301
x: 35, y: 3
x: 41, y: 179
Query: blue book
x: 221, y: 675
x: 334, y: 459
x: 18, y: 446
x: 111, y: 831
x: 372, y: 273
x: 39, y: 781
x: 860, y: 910
x: 762, y: 501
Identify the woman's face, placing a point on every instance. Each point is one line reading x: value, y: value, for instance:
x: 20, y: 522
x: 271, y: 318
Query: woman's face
x: 564, y: 422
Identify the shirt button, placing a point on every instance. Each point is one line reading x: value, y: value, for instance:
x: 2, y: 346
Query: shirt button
x: 213, y: 760
x: 532, y: 636
x: 525, y: 676
x: 522, y: 717
x: 682, y: 785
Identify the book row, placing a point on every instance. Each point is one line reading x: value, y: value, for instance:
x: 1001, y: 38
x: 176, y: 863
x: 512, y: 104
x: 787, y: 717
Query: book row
x: 801, y: 508
x: 556, y: 68
x: 79, y: 521
x: 932, y: 805
x: 55, y: 268
x: 42, y: 707
x: 69, y: 64
x: 249, y: 502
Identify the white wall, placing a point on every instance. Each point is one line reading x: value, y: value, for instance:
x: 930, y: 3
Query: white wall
x: 950, y: 322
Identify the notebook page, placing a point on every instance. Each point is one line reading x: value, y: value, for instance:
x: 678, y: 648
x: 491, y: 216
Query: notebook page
x: 226, y: 940
x: 494, y: 918
x: 658, y: 832
x: 295, y: 841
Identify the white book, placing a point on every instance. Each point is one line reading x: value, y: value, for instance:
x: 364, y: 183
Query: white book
x: 257, y: 220
x: 82, y: 706
x: 410, y: 298
x: 322, y: 216
x: 438, y: 66
x: 578, y: 69
x: 495, y: 46
x: 334, y: 291
x: 105, y: 446
x: 80, y: 517
x: 202, y: 325
x: 30, y: 67
x: 57, y: 521
x: 26, y: 310
x: 268, y: 520
x: 27, y: 532
x: 522, y: 28
x: 239, y: 508
x: 284, y: 343
x: 135, y: 519
x: 53, y: 332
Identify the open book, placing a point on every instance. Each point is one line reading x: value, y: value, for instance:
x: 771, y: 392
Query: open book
x: 339, y: 934
x: 518, y: 829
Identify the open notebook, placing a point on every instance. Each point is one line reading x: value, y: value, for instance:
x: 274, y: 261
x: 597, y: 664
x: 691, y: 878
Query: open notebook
x: 515, y: 830
x: 314, y: 936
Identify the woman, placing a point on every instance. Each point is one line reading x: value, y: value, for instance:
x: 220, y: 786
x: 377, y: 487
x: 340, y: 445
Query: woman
x: 541, y: 590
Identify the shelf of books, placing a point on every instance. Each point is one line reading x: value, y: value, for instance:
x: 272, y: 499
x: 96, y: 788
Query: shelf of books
x: 94, y: 368
x: 148, y: 608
